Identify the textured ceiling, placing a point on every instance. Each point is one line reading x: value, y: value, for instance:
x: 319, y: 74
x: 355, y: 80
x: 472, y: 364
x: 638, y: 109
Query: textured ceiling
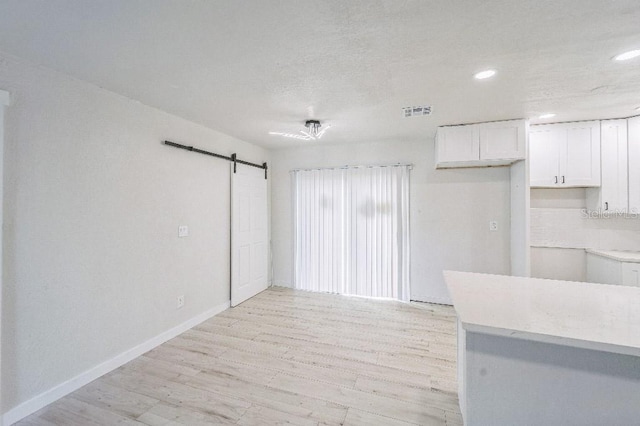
x: 250, y: 67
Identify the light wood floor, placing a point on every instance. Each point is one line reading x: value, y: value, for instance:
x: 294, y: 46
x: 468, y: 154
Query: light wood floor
x: 285, y: 357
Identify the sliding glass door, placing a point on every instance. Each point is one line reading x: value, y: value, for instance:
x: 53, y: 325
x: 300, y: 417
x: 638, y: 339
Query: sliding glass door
x: 352, y: 231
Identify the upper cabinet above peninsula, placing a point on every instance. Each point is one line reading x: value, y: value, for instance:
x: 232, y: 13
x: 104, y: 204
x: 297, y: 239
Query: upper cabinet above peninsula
x: 496, y: 143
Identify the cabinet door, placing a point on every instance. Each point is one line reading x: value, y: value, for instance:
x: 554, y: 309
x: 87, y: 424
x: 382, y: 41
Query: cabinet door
x: 502, y: 140
x: 458, y: 143
x: 631, y: 274
x: 602, y: 270
x: 614, y: 185
x: 544, y: 155
x: 580, y: 157
x: 634, y: 164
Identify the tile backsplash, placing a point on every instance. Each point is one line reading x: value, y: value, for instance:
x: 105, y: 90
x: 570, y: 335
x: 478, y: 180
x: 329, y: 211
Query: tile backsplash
x: 574, y: 228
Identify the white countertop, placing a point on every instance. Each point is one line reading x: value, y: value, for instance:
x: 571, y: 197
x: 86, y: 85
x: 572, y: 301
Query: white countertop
x: 622, y: 256
x: 592, y: 316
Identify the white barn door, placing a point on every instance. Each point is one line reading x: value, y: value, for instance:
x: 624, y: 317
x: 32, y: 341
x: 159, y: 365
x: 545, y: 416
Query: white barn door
x: 249, y: 233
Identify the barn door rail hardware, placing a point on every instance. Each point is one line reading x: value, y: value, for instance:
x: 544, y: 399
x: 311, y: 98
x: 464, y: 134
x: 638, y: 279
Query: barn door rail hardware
x: 233, y: 158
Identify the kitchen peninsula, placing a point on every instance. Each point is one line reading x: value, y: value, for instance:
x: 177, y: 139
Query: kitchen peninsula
x: 535, y: 351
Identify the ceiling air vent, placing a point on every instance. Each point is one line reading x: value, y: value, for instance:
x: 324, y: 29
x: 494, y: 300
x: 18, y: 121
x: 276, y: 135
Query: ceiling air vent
x: 416, y: 111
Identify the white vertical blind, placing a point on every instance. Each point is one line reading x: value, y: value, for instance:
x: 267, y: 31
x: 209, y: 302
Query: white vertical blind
x: 318, y: 229
x: 351, y: 230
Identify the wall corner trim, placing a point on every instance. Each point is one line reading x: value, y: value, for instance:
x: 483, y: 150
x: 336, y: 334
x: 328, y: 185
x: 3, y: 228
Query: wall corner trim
x: 5, y: 98
x: 40, y: 401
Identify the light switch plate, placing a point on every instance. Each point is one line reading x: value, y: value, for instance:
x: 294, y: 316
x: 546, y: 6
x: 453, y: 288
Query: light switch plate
x: 493, y: 226
x: 183, y: 231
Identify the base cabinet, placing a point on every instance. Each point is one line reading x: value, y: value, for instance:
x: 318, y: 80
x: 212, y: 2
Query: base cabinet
x: 607, y: 270
x: 631, y: 274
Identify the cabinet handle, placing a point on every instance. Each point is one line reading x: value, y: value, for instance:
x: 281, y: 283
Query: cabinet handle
x: 556, y: 179
x: 606, y: 205
x: 562, y: 179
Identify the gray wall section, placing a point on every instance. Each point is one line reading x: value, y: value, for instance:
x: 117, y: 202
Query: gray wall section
x: 92, y: 203
x: 519, y: 382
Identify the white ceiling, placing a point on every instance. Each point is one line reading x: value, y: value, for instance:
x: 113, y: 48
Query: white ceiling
x: 249, y: 67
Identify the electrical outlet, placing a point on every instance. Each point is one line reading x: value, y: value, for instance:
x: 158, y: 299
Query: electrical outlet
x: 183, y: 231
x: 180, y: 302
x: 493, y: 226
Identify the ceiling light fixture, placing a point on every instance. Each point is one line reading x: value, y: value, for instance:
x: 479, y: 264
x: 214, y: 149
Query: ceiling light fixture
x: 547, y: 115
x: 290, y: 135
x: 638, y: 108
x: 312, y: 133
x: 484, y: 74
x: 627, y: 55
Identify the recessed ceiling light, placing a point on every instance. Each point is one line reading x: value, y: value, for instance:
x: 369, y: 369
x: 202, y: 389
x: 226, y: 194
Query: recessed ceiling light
x: 484, y: 74
x: 547, y: 115
x: 637, y: 108
x: 627, y: 55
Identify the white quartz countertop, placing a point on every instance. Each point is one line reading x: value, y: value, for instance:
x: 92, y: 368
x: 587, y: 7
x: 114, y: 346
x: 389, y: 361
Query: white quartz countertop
x: 591, y: 316
x: 622, y: 256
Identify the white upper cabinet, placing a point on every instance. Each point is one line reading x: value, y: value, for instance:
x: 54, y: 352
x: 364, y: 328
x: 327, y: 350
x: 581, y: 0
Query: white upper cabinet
x: 502, y: 140
x: 565, y: 155
x: 544, y: 156
x: 634, y: 164
x: 458, y: 143
x: 613, y: 193
x: 583, y: 155
x: 485, y: 144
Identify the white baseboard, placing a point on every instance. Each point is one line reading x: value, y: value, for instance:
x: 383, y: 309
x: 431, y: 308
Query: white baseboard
x: 31, y: 406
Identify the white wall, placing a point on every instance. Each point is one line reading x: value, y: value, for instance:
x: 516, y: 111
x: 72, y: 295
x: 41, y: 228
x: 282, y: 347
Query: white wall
x: 565, y: 198
x: 450, y: 211
x: 520, y: 219
x: 559, y: 263
x: 4, y: 101
x: 93, y: 200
